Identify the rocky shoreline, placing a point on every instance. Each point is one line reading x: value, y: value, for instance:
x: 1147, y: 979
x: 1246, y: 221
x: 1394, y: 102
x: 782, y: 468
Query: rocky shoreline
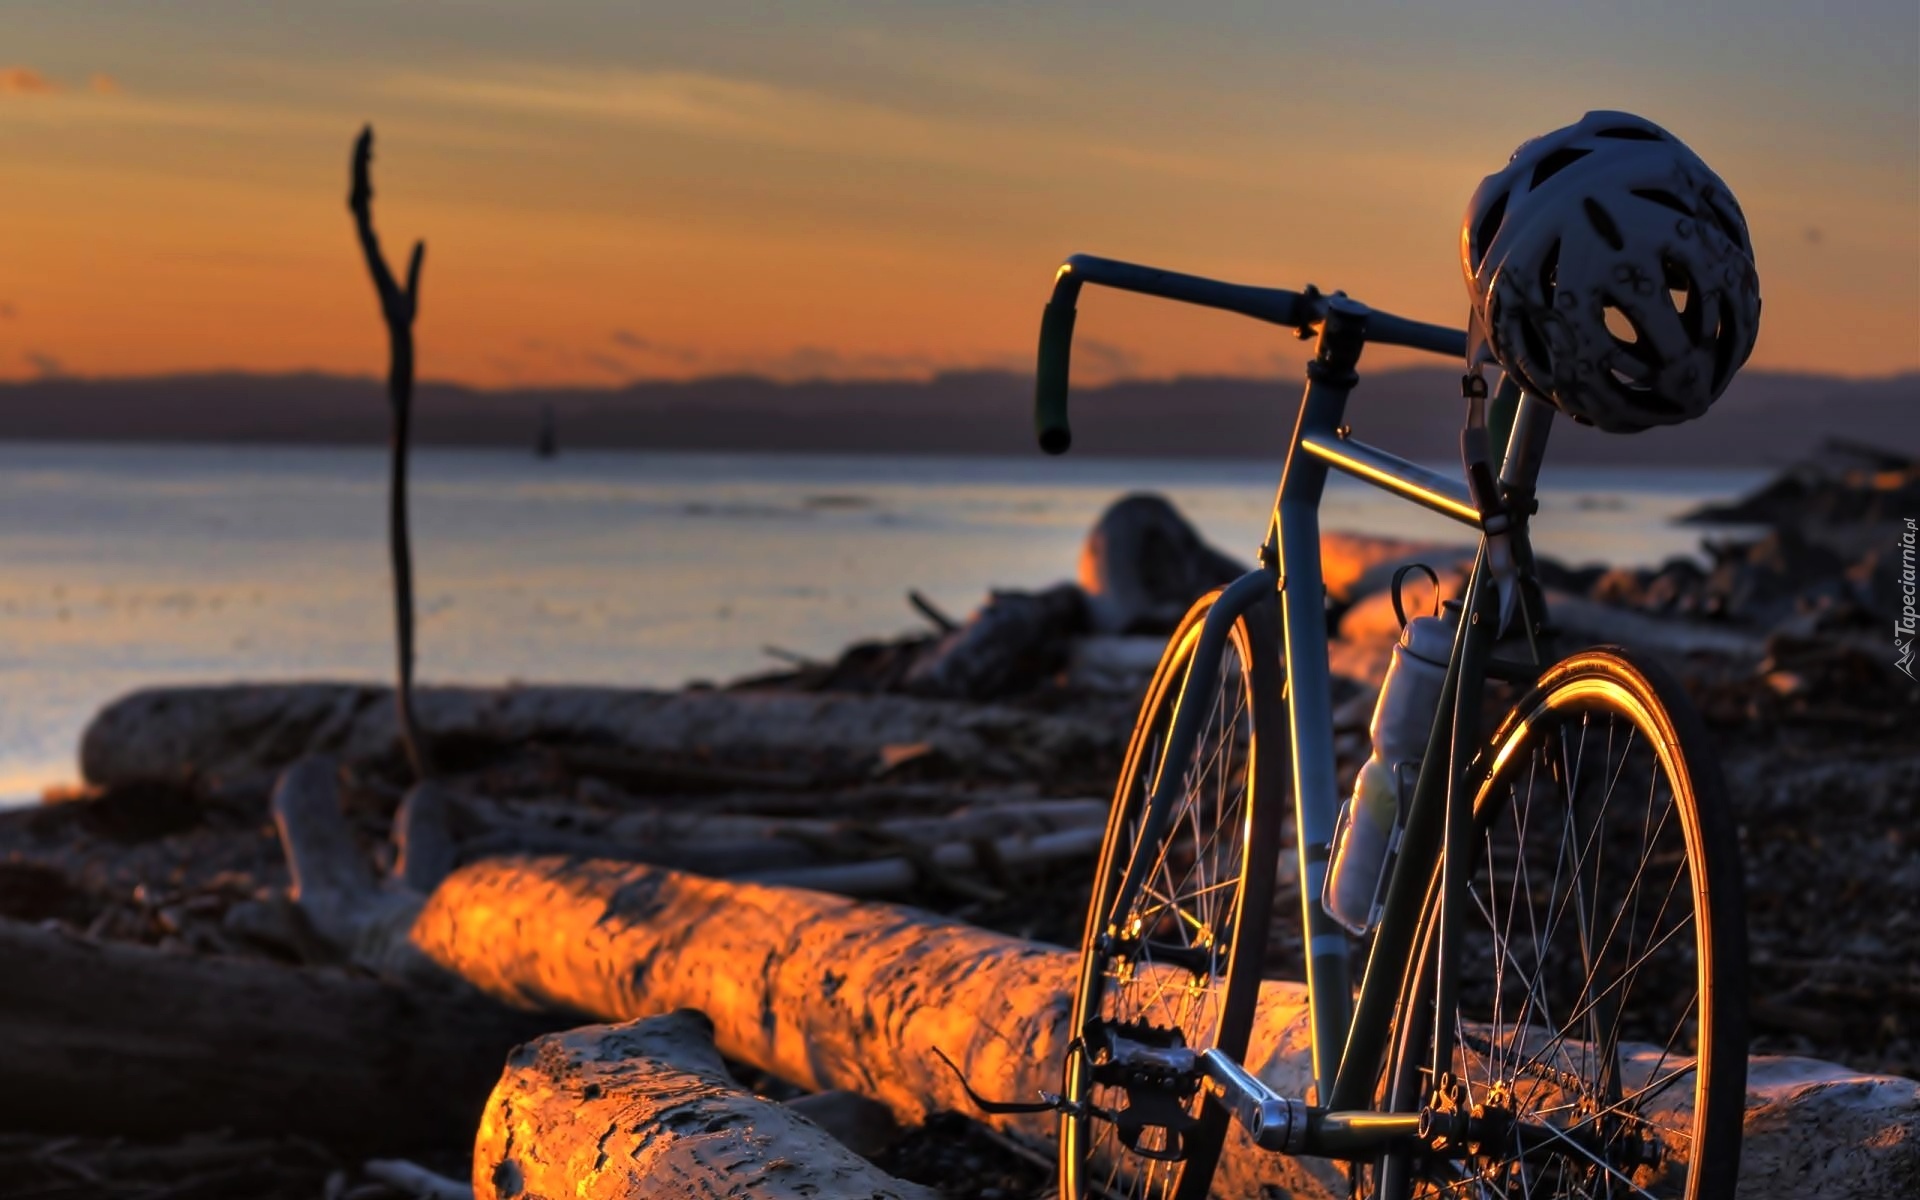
x: 960, y: 771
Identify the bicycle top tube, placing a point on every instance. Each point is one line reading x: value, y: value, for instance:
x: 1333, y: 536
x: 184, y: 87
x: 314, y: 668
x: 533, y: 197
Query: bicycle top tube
x: 1277, y: 306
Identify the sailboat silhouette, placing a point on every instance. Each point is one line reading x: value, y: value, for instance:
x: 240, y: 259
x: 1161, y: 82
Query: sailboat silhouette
x: 548, y: 444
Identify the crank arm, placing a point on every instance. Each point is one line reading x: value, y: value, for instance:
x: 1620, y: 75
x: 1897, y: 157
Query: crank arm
x: 1273, y: 1121
x: 1291, y: 1126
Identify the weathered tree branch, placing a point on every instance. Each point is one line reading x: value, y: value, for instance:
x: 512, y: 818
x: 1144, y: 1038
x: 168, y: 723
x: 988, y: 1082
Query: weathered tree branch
x: 398, y: 307
x: 424, y: 843
x: 334, y: 884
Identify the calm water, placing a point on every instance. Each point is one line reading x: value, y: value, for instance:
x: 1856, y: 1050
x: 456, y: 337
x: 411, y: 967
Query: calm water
x: 127, y: 566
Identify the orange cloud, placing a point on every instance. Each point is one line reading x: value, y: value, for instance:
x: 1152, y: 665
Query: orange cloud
x: 25, y: 81
x: 103, y: 84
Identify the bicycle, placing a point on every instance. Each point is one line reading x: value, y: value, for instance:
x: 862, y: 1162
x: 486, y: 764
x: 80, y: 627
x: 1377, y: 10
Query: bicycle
x: 1537, y: 1015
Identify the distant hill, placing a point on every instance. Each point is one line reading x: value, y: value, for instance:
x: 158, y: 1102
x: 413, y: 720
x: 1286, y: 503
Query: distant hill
x: 1768, y: 417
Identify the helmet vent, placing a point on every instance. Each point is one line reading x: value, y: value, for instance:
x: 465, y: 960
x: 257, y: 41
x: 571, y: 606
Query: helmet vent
x: 1683, y: 294
x: 1603, y: 224
x: 1627, y: 335
x: 1620, y: 325
x: 1555, y: 163
x: 1550, y: 273
x: 1488, y: 226
x: 1631, y: 133
x: 1667, y: 199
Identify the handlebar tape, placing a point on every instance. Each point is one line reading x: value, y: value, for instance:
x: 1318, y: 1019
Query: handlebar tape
x: 1050, y: 380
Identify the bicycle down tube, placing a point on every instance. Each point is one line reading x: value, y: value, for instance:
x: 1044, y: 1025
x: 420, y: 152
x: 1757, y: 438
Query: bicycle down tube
x: 1348, y: 1040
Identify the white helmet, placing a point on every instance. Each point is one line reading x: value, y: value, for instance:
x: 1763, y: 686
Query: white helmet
x: 1611, y: 272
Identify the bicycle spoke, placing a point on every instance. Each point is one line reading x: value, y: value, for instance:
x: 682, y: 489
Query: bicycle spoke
x: 1627, y: 976
x: 1189, y: 900
x: 1579, y: 1005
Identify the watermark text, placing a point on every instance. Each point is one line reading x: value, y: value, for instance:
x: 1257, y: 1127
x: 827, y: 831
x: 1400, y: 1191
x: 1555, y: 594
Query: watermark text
x: 1905, y: 621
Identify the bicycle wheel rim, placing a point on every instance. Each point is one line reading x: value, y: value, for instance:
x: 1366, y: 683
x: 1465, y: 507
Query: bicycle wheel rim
x: 1601, y: 1018
x: 1093, y: 1162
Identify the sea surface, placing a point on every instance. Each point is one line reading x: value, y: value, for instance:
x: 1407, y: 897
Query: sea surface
x: 127, y: 566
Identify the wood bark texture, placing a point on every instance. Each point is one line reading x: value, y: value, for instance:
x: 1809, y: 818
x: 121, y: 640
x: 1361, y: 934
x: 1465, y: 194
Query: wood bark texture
x: 255, y: 731
x: 647, y: 1110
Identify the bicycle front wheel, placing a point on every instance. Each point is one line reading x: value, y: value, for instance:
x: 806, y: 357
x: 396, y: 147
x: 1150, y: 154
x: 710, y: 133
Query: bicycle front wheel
x: 1600, y: 1032
x: 1179, y: 963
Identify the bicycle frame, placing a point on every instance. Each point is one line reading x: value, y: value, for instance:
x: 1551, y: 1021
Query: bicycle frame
x: 1348, y: 1034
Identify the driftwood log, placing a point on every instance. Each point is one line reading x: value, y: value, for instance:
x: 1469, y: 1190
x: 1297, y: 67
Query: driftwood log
x: 648, y: 1110
x: 360, y: 918
x: 972, y: 817
x: 831, y: 993
x: 1369, y: 628
x: 333, y: 883
x: 936, y: 864
x: 852, y: 856
x: 411, y: 1179
x: 245, y: 732
x: 424, y: 849
x: 1010, y: 643
x: 1586, y: 622
x: 1142, y: 565
x: 364, y: 919
x: 1354, y: 566
x: 1113, y: 662
x: 111, y: 1038
x: 639, y: 1110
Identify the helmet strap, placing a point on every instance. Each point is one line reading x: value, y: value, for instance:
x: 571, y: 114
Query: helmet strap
x: 1496, y: 521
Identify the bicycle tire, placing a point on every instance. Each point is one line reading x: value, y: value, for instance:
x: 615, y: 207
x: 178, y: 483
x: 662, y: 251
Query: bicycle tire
x: 1246, y: 775
x: 1580, y: 1073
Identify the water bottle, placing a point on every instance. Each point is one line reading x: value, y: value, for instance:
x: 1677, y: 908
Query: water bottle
x: 1372, y: 818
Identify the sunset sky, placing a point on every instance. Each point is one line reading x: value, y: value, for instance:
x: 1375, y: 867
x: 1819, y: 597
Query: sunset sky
x: 614, y: 190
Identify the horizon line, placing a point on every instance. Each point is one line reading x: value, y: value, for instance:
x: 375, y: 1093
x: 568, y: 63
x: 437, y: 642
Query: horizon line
x: 922, y: 379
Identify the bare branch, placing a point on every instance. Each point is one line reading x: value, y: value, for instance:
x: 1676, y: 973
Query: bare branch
x: 362, y: 195
x: 360, y: 201
x: 398, y: 308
